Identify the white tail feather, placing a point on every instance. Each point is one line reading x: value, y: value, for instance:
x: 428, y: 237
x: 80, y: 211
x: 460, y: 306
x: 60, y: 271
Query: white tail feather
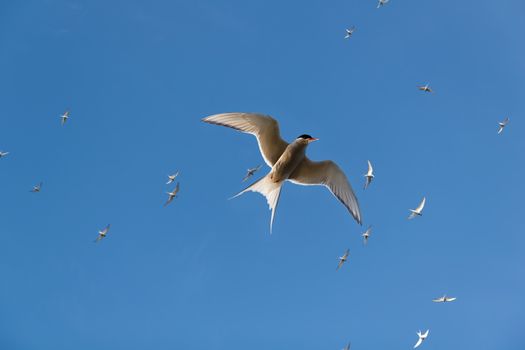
x: 269, y: 189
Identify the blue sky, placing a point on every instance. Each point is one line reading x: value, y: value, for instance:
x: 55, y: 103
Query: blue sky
x: 205, y: 272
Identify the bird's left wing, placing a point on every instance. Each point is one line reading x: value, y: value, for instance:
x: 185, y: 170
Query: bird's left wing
x: 328, y: 174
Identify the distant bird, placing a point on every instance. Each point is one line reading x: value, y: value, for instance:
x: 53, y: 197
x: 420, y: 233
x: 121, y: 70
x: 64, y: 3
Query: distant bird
x: 349, y: 32
x: 250, y: 172
x: 343, y: 259
x: 425, y: 88
x: 347, y: 347
x: 382, y: 3
x: 3, y: 154
x: 37, y: 188
x: 172, y: 194
x: 172, y: 178
x: 422, y: 337
x: 502, y: 125
x: 64, y: 117
x: 369, y: 175
x: 102, y: 234
x: 366, y: 235
x: 418, y: 210
x: 443, y: 299
x: 288, y: 162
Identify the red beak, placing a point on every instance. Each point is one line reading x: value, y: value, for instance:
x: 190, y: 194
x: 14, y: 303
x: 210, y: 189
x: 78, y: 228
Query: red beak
x: 312, y: 139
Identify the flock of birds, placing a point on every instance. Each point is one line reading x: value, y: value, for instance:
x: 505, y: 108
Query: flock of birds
x: 288, y: 162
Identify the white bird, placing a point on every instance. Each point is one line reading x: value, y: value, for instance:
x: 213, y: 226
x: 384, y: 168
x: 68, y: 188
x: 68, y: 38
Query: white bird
x: 443, y: 299
x: 343, y: 259
x: 349, y: 32
x: 422, y: 337
x: 418, y: 210
x: 369, y: 175
x: 288, y: 162
x: 425, y: 88
x: 347, y: 347
x: 366, y: 235
x: 382, y: 3
x: 502, y: 125
x: 172, y: 178
x: 64, y: 117
x: 37, y: 188
x: 102, y: 234
x: 250, y: 172
x: 3, y: 154
x: 172, y: 194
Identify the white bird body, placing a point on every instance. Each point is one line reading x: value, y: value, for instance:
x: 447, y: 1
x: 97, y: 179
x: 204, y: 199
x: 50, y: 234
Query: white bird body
x: 502, y: 125
x: 171, y: 178
x: 3, y: 154
x: 369, y: 175
x: 172, y: 194
x: 343, y: 259
x: 422, y: 337
x: 250, y: 172
x: 37, y: 188
x: 444, y: 299
x: 366, y: 235
x: 418, y: 210
x: 64, y: 117
x: 287, y: 162
x: 349, y: 32
x: 425, y: 88
x: 102, y: 233
x: 382, y: 3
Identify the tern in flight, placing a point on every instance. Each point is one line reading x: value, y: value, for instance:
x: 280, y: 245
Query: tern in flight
x: 349, y: 32
x: 418, y: 210
x: 347, y: 347
x: 369, y: 175
x: 502, y: 125
x: 422, y: 337
x: 37, y: 188
x: 443, y: 299
x: 250, y: 172
x: 3, y: 154
x: 172, y: 194
x: 288, y: 162
x: 64, y: 117
x: 343, y: 259
x: 382, y: 3
x: 102, y: 234
x: 425, y: 88
x: 172, y: 178
x: 367, y: 234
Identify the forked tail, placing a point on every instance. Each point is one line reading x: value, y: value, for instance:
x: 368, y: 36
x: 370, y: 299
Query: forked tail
x: 269, y: 189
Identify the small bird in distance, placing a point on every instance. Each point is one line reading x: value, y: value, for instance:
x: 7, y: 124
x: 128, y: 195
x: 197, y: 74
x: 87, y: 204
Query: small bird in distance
x: 3, y: 154
x: 172, y: 194
x: 381, y: 3
x: 418, y: 210
x: 172, y: 178
x: 349, y: 32
x: 425, y: 88
x: 443, y: 299
x: 102, y: 234
x: 250, y: 172
x: 347, y: 347
x: 369, y: 175
x: 343, y: 259
x: 366, y: 235
x: 422, y: 337
x: 37, y: 188
x: 502, y: 125
x: 64, y: 117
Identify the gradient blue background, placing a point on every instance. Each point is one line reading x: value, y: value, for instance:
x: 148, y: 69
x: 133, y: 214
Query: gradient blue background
x: 204, y: 272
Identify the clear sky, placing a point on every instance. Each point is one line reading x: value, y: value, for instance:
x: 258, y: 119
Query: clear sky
x: 204, y: 272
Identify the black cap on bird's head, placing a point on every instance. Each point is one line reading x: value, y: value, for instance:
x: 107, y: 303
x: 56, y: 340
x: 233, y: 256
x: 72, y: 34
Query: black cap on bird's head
x: 307, y: 137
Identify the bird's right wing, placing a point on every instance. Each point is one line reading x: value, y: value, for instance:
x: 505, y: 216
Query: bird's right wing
x: 419, y: 341
x: 263, y: 127
x: 421, y: 205
x: 327, y: 173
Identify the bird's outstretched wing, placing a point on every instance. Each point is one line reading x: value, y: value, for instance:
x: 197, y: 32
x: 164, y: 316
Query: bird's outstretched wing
x: 419, y: 341
x: 421, y: 205
x: 263, y: 127
x: 328, y: 174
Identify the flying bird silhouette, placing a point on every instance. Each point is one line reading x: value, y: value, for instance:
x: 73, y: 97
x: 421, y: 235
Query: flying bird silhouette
x: 343, y: 259
x: 172, y: 178
x: 250, y: 172
x: 422, y: 337
x: 64, y: 117
x: 418, y: 210
x: 369, y: 175
x: 288, y: 162
x: 349, y: 32
x: 3, y: 154
x: 366, y: 235
x: 502, y: 125
x: 381, y: 3
x: 425, y: 88
x: 102, y: 234
x: 172, y: 194
x: 37, y: 188
x: 443, y: 299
